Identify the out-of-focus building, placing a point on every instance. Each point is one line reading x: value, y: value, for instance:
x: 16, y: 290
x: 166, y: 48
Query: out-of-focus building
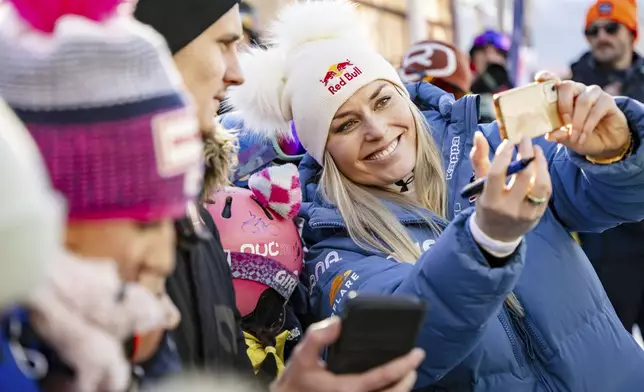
x: 391, y: 30
x: 388, y: 19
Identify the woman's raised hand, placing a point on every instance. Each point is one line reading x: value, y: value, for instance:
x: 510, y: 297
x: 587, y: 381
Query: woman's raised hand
x: 506, y: 212
x: 595, y: 126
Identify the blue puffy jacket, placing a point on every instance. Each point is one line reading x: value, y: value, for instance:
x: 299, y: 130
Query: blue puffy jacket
x: 570, y: 338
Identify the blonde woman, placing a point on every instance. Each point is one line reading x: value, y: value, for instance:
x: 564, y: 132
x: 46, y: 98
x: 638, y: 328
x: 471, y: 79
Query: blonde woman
x: 514, y: 303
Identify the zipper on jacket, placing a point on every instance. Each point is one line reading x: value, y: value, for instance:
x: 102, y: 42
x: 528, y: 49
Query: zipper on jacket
x: 526, y: 333
x: 532, y: 332
x: 328, y: 224
x: 503, y: 318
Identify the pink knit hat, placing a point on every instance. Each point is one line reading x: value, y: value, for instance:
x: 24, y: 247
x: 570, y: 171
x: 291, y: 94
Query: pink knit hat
x: 101, y: 96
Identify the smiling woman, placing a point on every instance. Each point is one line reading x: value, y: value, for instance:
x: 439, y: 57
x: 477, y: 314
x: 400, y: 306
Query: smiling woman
x: 372, y: 138
x: 378, y: 149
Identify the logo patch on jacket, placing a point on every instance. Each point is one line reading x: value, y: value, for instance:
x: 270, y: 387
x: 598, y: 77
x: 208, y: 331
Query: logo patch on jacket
x: 340, y: 285
x: 454, y: 155
x: 604, y: 8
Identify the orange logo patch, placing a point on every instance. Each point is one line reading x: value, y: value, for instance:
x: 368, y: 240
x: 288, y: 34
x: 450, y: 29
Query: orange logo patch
x: 340, y: 286
x: 337, y: 282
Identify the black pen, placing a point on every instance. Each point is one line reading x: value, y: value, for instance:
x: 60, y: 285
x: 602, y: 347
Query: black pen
x: 476, y: 187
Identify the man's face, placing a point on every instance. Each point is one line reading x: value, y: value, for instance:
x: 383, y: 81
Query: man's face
x: 485, y: 56
x: 209, y: 65
x: 609, y: 41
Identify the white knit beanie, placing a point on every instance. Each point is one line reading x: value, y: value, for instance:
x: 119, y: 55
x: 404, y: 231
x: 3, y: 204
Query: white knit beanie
x: 320, y: 55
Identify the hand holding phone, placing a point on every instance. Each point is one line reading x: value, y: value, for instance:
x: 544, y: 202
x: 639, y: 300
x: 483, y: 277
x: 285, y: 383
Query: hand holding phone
x: 305, y: 370
x: 528, y: 111
x: 375, y: 330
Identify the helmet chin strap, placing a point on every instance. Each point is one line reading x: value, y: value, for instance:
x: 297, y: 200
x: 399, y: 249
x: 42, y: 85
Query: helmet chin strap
x: 404, y: 184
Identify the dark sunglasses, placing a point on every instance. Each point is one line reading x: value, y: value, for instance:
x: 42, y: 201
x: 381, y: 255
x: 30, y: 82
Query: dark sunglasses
x: 610, y: 28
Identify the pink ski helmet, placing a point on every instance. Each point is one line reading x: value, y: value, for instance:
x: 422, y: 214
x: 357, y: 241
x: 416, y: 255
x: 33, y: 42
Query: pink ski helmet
x: 259, y: 235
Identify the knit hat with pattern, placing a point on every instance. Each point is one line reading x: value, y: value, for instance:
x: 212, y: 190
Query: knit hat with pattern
x: 101, y: 97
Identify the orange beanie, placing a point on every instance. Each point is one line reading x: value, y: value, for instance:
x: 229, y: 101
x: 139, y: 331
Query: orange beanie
x: 621, y: 11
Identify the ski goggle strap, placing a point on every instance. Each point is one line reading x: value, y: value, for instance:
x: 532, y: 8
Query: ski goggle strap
x: 254, y: 154
x: 289, y: 149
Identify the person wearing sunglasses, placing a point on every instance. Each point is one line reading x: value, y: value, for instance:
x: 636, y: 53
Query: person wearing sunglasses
x: 611, y: 30
x: 612, y: 63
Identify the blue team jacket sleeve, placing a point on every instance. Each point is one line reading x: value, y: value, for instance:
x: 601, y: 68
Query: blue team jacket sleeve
x: 588, y: 197
x: 453, y: 277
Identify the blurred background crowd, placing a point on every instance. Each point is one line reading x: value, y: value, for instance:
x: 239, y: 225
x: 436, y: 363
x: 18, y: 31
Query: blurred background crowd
x: 396, y: 23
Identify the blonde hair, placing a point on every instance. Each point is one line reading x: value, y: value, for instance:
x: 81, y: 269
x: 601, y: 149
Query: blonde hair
x: 369, y: 222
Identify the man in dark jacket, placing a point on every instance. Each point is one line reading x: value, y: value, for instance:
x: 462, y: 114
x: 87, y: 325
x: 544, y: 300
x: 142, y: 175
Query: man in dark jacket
x: 203, y: 36
x: 209, y: 335
x: 618, y: 253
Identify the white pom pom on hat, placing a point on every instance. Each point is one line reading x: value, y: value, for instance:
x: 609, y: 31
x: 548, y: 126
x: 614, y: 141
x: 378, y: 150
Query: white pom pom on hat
x: 309, y: 21
x: 258, y: 99
x: 320, y: 55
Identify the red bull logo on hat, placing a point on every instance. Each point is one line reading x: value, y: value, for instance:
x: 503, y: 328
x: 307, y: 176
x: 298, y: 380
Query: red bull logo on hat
x: 338, y: 75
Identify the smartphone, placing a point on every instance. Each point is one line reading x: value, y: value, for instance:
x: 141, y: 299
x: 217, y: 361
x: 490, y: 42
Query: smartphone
x: 528, y: 111
x: 375, y: 330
